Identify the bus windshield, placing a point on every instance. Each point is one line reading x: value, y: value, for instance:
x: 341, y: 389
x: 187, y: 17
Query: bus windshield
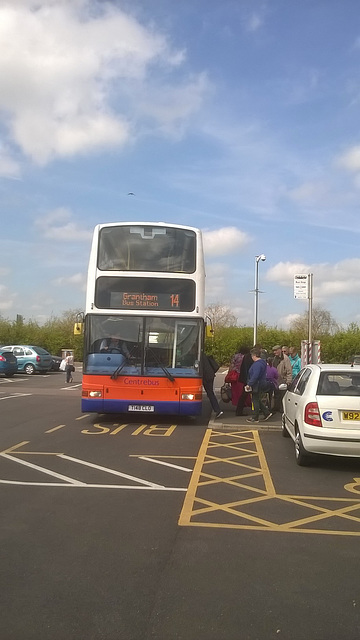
x: 142, y: 346
x: 147, y: 248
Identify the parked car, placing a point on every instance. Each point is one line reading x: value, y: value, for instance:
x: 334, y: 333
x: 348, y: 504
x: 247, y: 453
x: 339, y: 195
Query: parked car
x: 321, y: 411
x: 30, y: 359
x: 8, y: 363
x: 56, y: 361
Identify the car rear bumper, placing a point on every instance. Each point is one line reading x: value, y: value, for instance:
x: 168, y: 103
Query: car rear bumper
x: 335, y: 442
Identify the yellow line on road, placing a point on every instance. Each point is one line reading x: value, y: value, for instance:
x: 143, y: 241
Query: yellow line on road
x: 186, y: 511
x: 16, y: 446
x: 256, y: 493
x: 55, y: 428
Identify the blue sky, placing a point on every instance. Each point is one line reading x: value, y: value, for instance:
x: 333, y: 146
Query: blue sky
x: 239, y: 117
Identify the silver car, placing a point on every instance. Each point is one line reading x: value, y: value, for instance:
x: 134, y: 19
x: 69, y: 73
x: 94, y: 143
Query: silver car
x: 321, y: 411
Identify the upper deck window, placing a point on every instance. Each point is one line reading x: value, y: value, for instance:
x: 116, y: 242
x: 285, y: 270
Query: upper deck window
x: 147, y: 248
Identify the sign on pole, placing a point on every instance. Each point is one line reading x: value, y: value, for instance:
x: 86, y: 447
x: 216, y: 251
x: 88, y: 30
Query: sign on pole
x: 301, y: 286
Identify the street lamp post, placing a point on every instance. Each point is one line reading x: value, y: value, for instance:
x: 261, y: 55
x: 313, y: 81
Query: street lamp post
x: 256, y: 291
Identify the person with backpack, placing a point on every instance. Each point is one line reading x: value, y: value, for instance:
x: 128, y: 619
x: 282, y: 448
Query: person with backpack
x: 237, y: 377
x: 258, y: 385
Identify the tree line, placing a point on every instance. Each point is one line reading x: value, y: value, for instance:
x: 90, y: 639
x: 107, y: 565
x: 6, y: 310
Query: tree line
x: 54, y: 335
x: 338, y: 344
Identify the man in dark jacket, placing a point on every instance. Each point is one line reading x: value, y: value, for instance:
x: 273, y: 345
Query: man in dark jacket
x: 208, y: 384
x: 258, y: 384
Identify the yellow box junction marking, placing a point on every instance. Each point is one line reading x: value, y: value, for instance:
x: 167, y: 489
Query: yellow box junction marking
x: 233, y: 465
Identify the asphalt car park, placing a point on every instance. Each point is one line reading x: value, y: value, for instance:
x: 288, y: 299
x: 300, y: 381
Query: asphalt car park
x: 119, y: 528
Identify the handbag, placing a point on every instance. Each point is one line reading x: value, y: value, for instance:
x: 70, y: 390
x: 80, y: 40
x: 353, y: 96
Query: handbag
x: 232, y: 376
x: 225, y: 392
x: 62, y: 365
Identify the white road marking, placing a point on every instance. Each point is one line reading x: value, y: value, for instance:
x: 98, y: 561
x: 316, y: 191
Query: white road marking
x: 73, y: 386
x: 16, y: 395
x: 11, y: 380
x: 112, y: 471
x: 41, y: 469
x: 81, y: 485
x: 166, y: 464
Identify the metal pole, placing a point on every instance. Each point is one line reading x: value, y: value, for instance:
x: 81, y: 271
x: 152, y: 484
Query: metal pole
x: 256, y: 291
x: 310, y: 316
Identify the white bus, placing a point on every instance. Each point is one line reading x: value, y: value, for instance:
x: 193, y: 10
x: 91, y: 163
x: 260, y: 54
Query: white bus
x: 144, y: 319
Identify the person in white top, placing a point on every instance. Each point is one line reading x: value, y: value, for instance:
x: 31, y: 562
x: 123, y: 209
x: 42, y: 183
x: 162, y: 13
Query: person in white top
x: 69, y: 367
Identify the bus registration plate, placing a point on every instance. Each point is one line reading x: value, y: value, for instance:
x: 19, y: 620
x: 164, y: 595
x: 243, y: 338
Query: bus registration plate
x: 141, y: 407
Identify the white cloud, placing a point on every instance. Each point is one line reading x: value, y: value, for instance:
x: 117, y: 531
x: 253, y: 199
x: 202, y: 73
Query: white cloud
x: 286, y: 321
x: 283, y: 272
x: 9, y: 168
x: 311, y: 193
x: 77, y: 280
x: 329, y: 280
x: 58, y: 225
x: 7, y: 298
x: 223, y: 241
x: 350, y: 159
x: 63, y: 63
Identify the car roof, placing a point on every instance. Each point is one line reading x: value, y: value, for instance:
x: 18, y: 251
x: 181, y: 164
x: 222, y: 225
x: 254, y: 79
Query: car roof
x: 335, y: 367
x: 30, y: 346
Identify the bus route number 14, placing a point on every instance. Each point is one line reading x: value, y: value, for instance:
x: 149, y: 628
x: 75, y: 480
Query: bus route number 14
x: 174, y: 299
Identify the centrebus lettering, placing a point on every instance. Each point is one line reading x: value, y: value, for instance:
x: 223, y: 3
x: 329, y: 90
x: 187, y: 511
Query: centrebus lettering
x: 142, y: 382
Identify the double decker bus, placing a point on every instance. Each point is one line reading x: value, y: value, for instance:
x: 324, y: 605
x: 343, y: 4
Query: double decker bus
x: 144, y: 320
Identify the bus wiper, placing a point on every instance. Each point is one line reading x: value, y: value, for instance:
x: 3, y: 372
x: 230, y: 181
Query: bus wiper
x: 116, y: 373
x: 119, y: 368
x: 165, y: 370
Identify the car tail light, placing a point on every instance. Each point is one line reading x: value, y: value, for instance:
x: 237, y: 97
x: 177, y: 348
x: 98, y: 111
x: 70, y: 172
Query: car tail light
x: 2, y: 359
x: 312, y: 414
x: 38, y: 358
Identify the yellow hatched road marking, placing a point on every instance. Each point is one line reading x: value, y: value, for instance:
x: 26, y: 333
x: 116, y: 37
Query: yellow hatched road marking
x: 241, y: 460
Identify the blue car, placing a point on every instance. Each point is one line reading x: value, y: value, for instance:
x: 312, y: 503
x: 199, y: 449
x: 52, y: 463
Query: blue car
x: 8, y: 363
x: 30, y: 359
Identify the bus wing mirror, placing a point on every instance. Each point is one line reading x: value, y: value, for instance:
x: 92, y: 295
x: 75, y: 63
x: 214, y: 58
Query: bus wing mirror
x: 209, y: 331
x: 78, y: 328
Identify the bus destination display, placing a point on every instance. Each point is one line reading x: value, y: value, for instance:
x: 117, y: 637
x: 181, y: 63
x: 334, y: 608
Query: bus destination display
x: 145, y: 294
x: 160, y: 301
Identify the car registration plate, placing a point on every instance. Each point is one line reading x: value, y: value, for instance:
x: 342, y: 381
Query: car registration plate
x: 351, y: 415
x: 141, y: 407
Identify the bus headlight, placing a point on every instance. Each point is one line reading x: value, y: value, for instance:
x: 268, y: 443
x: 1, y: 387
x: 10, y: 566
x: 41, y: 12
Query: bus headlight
x: 188, y: 396
x: 95, y: 394
x: 191, y: 396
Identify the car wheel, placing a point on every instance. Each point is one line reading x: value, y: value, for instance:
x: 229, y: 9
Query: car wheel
x: 301, y: 456
x: 29, y: 369
x: 284, y: 431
